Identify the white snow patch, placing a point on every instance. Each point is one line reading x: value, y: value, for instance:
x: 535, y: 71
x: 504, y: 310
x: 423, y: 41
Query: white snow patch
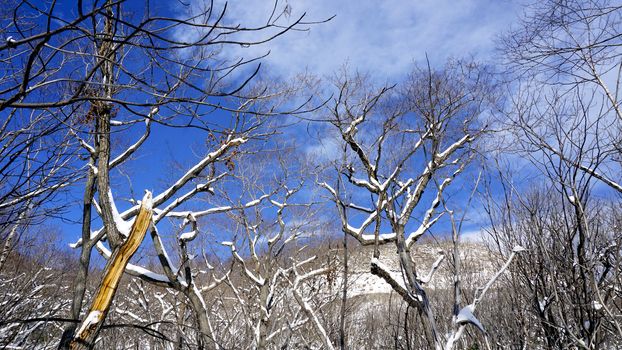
x: 147, y: 200
x: 123, y: 226
x: 398, y: 279
x: 253, y: 202
x: 92, y: 318
x: 188, y: 236
x: 542, y: 303
x: 466, y: 316
x: 77, y: 244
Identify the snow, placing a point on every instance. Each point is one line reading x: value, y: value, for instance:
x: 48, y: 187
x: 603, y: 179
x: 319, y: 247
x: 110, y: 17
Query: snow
x: 77, y: 244
x: 139, y: 270
x: 147, y: 200
x: 542, y: 304
x: 518, y: 249
x: 572, y: 199
x: 93, y: 168
x: 329, y: 188
x: 381, y: 237
x: 133, y: 315
x: 188, y: 236
x: 277, y: 204
x: 92, y: 318
x: 135, y: 269
x: 352, y: 126
x: 466, y: 316
x: 253, y: 202
x: 449, y: 150
x: 425, y: 225
x: 435, y: 266
x: 363, y: 283
x: 193, y: 171
x: 375, y: 182
x: 210, y: 211
x: 123, y: 226
x: 596, y: 305
x: 398, y: 279
x: 353, y: 230
x: 366, y: 184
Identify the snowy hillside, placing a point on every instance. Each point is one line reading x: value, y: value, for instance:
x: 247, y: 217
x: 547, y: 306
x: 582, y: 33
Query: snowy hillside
x: 477, y: 263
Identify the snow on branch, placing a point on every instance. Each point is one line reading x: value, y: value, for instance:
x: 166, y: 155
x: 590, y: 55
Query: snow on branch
x: 365, y: 239
x: 433, y: 269
x: 191, y: 235
x: 196, y: 170
x: 466, y: 315
x: 130, y: 150
x: 215, y: 210
x: 427, y: 221
x: 32, y: 194
x: 135, y: 270
x: 381, y: 270
x: 482, y: 290
x: 259, y: 280
x: 304, y: 304
x: 181, y: 199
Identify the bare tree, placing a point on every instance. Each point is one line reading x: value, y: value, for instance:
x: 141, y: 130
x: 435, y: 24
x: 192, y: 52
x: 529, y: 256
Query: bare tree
x: 95, y: 74
x: 566, y: 54
x: 34, y: 288
x: 402, y: 151
x: 564, y: 120
x: 567, y: 280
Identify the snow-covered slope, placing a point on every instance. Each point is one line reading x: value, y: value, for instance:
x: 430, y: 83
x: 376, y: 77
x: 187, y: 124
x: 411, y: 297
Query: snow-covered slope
x: 477, y: 265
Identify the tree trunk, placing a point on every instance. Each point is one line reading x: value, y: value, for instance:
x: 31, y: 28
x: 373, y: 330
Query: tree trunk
x: 415, y: 287
x: 344, y: 294
x: 91, y: 325
x: 205, y: 338
x: 85, y: 261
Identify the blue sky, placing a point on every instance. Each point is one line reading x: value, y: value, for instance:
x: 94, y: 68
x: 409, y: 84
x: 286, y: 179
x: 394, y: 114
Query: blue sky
x: 379, y: 38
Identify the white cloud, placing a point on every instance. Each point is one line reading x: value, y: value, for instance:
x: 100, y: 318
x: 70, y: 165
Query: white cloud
x: 325, y: 151
x: 382, y: 37
x: 477, y: 236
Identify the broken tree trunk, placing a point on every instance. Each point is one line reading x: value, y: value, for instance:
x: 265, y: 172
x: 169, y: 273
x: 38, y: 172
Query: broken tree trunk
x: 89, y: 329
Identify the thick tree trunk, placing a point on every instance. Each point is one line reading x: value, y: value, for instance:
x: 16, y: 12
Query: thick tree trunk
x: 415, y: 287
x: 181, y: 315
x: 206, y: 339
x: 85, y: 261
x: 344, y: 293
x: 264, y: 319
x: 89, y: 329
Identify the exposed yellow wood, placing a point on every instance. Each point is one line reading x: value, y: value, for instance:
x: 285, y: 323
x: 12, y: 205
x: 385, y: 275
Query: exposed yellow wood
x: 113, y: 272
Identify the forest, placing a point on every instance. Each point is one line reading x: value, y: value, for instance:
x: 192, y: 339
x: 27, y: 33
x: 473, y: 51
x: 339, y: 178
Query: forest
x: 176, y: 176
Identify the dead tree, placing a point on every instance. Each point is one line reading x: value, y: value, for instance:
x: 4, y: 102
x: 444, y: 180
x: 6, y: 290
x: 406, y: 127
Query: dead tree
x: 566, y: 56
x: 398, y: 145
x: 95, y: 74
x: 564, y: 119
